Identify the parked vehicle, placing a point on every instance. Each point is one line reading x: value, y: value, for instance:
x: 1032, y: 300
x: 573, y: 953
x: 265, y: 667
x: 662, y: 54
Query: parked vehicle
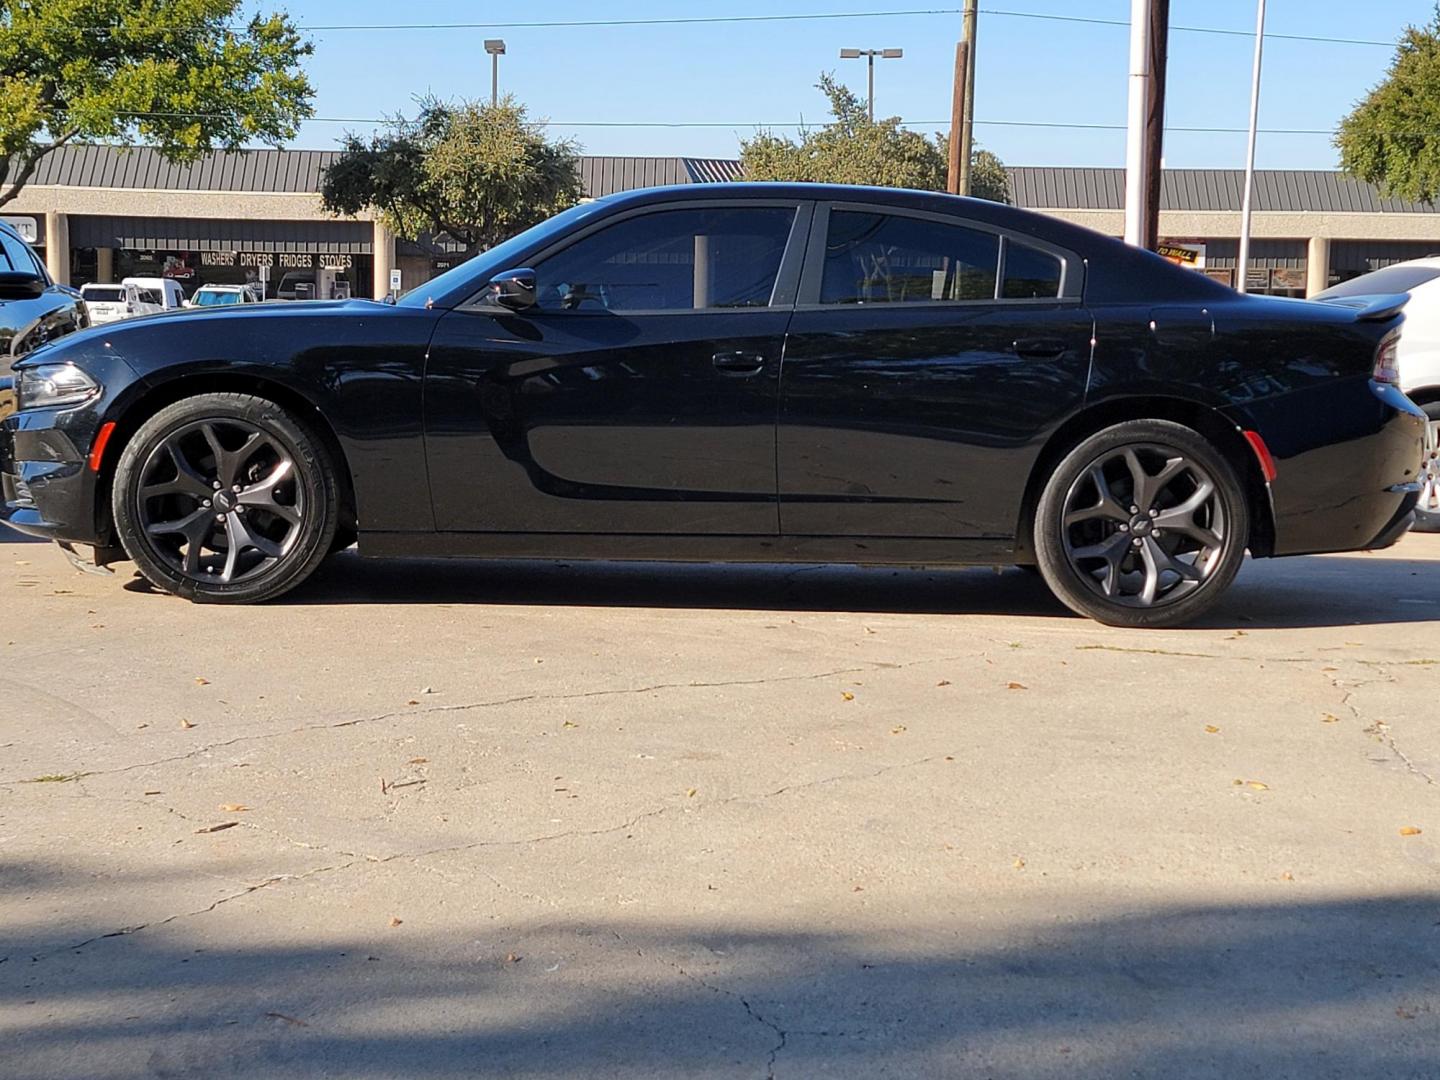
x: 776, y: 372
x: 223, y: 296
x: 164, y: 291
x: 33, y: 310
x: 297, y: 285
x: 1418, y: 358
x: 111, y: 303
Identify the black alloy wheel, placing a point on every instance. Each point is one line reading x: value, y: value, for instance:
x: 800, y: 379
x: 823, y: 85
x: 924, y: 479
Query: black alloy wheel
x: 1427, y: 511
x: 225, y: 498
x: 1143, y: 524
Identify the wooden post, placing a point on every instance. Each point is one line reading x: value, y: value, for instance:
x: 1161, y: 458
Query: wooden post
x: 967, y: 124
x: 1159, y: 45
x: 957, y: 117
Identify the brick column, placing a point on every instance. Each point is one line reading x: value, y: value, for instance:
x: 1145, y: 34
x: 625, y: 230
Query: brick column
x: 1317, y: 265
x: 57, y: 246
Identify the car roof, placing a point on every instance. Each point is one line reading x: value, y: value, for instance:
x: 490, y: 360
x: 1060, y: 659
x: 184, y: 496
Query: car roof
x: 225, y: 288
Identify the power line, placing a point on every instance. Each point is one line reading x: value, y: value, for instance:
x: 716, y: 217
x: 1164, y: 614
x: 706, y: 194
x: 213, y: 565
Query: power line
x: 713, y: 20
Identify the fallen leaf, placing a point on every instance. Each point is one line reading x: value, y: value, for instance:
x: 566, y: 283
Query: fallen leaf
x: 899, y: 729
x: 512, y: 958
x: 200, y: 680
x: 1019, y: 864
x: 288, y: 1019
x: 1256, y: 784
x: 1016, y: 686
x: 428, y: 690
x: 412, y: 701
x: 943, y: 682
x: 847, y: 695
x: 1211, y: 729
x: 418, y: 761
x: 1287, y: 876
x: 569, y: 724
x: 154, y: 793
x: 218, y: 828
x: 1410, y: 830
x: 234, y: 808
x: 858, y: 888
x: 394, y: 921
x: 1330, y: 718
x: 186, y: 724
x: 690, y: 794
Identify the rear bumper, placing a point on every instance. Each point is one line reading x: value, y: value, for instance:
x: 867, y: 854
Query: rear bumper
x: 1351, y: 493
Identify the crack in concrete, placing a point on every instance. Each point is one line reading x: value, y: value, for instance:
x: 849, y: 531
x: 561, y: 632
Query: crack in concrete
x: 520, y: 699
x: 778, y: 1031
x: 1380, y: 729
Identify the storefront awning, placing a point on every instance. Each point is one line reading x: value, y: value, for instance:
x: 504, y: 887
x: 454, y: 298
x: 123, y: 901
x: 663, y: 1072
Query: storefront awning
x: 221, y: 234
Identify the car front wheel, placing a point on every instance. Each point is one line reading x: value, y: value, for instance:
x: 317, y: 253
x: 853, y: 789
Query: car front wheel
x: 1144, y: 524
x: 226, y: 498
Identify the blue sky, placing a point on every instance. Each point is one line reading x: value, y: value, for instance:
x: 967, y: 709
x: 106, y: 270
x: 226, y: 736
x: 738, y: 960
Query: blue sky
x: 740, y: 76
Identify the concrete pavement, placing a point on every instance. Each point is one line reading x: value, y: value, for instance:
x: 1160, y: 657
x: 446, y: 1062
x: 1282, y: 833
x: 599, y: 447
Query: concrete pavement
x: 430, y: 819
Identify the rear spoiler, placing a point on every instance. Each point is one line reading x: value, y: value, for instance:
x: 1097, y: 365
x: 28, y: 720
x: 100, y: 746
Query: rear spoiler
x: 1376, y: 308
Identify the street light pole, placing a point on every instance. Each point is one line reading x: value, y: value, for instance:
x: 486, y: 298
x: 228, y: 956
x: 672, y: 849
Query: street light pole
x: 871, y: 54
x: 1247, y: 202
x: 496, y: 48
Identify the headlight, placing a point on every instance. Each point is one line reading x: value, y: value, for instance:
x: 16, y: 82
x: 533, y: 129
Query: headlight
x: 53, y: 386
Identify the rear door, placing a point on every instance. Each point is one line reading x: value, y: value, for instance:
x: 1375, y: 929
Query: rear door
x: 639, y: 395
x: 928, y: 360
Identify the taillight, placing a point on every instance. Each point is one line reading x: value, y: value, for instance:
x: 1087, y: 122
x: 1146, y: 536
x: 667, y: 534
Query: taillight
x: 1387, y: 359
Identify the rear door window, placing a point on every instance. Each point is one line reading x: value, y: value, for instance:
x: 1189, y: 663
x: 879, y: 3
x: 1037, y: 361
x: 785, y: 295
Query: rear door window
x: 1030, y: 274
x: 875, y: 258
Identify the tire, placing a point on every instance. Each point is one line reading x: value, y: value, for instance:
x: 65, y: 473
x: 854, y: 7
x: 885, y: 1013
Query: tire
x: 1164, y: 563
x: 226, y: 498
x: 1427, y: 513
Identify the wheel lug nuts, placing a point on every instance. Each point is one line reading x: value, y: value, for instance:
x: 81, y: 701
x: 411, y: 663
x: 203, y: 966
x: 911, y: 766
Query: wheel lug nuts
x: 1154, y: 513
x: 236, y: 489
x: 205, y: 503
x: 1159, y: 532
x: 1134, y: 509
x: 219, y: 517
x: 239, y: 509
x: 215, y: 484
x: 1124, y: 528
x: 1139, y: 542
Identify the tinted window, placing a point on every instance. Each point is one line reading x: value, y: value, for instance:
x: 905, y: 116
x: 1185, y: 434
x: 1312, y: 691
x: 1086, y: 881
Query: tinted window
x: 103, y: 294
x: 16, y: 256
x: 672, y: 260
x: 1030, y: 274
x: 879, y: 259
x: 1392, y: 279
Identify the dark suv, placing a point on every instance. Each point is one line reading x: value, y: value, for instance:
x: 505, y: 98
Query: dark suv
x: 33, y: 309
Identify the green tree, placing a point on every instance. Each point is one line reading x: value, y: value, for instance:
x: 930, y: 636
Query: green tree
x: 477, y: 172
x: 176, y: 73
x: 1392, y: 137
x: 853, y: 149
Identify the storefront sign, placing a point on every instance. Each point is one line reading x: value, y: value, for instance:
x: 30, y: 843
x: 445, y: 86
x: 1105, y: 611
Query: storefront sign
x: 1183, y: 253
x: 27, y: 227
x: 286, y: 260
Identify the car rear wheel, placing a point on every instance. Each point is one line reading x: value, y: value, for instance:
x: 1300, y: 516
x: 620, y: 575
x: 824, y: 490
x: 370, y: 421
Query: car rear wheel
x: 1143, y: 524
x: 226, y: 498
x: 1427, y: 512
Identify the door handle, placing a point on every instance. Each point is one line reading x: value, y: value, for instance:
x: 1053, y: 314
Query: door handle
x: 1039, y: 348
x: 738, y: 362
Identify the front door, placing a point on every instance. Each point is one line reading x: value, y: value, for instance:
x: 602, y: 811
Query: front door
x: 638, y: 396
x: 927, y: 363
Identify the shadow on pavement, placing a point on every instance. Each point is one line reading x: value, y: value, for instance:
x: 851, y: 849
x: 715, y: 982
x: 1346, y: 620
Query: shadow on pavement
x: 1324, y: 988
x: 1328, y: 591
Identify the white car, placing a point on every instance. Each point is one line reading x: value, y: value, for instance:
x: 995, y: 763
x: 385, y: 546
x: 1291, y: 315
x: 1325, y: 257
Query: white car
x: 110, y: 303
x: 164, y: 291
x: 1418, y: 360
x: 223, y: 296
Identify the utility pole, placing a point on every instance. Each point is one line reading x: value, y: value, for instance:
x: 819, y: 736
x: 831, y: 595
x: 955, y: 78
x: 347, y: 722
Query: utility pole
x: 1159, y: 45
x: 966, y: 132
x: 1242, y: 262
x: 957, y: 116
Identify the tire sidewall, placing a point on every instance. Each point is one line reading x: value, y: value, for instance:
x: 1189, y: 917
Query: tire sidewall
x: 1069, y: 585
x: 1428, y: 522
x: 316, y: 478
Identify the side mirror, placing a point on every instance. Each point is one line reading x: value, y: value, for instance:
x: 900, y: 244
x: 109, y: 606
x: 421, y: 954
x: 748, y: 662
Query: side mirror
x: 21, y: 285
x: 513, y: 289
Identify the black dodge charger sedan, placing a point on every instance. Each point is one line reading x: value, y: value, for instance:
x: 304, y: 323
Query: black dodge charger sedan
x: 739, y: 372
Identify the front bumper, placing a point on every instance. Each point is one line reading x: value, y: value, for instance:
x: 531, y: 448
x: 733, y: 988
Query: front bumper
x: 46, y: 487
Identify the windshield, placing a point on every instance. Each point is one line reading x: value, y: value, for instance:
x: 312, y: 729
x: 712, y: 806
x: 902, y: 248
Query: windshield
x: 103, y: 295
x: 1392, y: 279
x: 460, y: 281
x: 207, y: 298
